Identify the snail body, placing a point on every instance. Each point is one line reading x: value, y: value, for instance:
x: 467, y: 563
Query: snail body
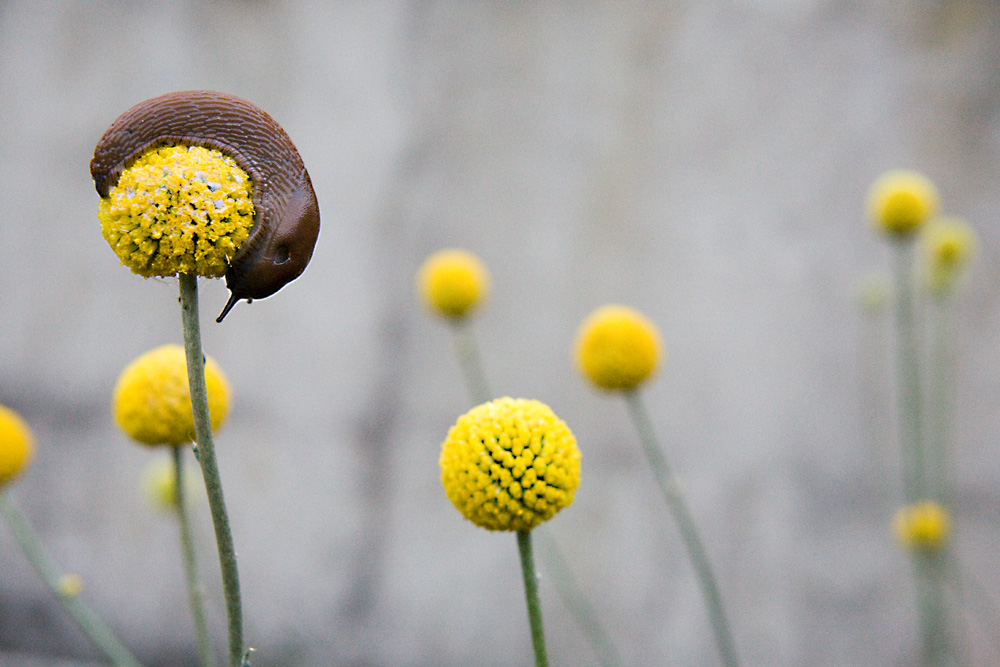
x: 286, y: 218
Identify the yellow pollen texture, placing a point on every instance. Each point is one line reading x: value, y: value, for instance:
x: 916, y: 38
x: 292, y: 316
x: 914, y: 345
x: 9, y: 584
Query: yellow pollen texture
x: 16, y: 445
x: 178, y: 209
x: 510, y: 464
x: 152, y: 401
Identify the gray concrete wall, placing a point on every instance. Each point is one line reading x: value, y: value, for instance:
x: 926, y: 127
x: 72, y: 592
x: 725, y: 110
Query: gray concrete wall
x: 705, y: 162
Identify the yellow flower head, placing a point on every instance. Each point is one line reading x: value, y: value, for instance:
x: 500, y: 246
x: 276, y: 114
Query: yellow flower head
x: 16, y: 445
x: 160, y: 485
x: 70, y: 586
x: 617, y: 348
x: 178, y: 209
x: 453, y: 282
x: 948, y: 245
x: 923, y: 526
x: 901, y: 200
x: 510, y: 464
x: 152, y: 402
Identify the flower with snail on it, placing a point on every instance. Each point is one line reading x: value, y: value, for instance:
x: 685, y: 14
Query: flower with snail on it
x: 453, y: 282
x: 900, y: 201
x: 922, y: 526
x: 152, y: 399
x: 510, y: 464
x: 178, y: 209
x: 618, y: 348
x: 16, y: 445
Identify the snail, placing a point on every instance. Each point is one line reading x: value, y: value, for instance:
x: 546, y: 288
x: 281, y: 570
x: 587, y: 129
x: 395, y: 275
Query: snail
x: 286, y: 217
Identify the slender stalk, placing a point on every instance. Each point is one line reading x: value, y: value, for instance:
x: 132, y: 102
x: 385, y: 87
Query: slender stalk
x: 209, y: 466
x: 470, y: 362
x: 195, y: 596
x: 566, y: 585
x: 935, y: 634
x: 531, y: 594
x: 696, y: 551
x: 574, y: 599
x: 92, y: 626
x: 908, y: 369
x: 941, y: 401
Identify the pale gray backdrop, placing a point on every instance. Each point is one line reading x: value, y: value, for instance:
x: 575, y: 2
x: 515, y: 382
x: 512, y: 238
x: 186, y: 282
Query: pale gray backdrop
x: 705, y: 162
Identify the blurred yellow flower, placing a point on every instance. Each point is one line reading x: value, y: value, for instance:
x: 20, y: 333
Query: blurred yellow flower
x: 617, y: 348
x: 160, y: 485
x: 453, y: 282
x: 922, y: 526
x: 510, y: 464
x: 900, y: 201
x: 70, y: 585
x: 16, y: 445
x: 152, y: 401
x: 948, y: 245
x: 178, y: 209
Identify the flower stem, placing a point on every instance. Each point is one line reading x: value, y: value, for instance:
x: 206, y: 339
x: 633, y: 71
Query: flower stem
x: 566, y: 585
x: 531, y: 593
x: 941, y: 401
x: 930, y: 573
x: 190, y: 566
x: 908, y: 369
x: 92, y: 626
x: 209, y: 466
x: 696, y: 551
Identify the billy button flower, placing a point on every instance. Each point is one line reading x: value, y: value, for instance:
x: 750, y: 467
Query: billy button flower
x: 900, y: 201
x: 152, y: 399
x: 178, y: 209
x: 16, y: 445
x: 947, y: 246
x: 618, y: 348
x: 453, y: 283
x: 923, y: 526
x: 511, y: 464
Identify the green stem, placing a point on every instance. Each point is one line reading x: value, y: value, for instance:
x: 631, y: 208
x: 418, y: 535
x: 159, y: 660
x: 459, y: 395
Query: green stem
x: 566, y: 585
x: 195, y: 596
x: 940, y: 406
x: 908, y: 369
x: 531, y: 593
x: 471, y: 363
x: 574, y: 599
x: 675, y: 502
x: 92, y: 626
x: 930, y: 574
x: 209, y: 466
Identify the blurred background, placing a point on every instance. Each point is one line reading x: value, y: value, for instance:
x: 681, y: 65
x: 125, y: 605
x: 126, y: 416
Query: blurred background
x: 705, y: 162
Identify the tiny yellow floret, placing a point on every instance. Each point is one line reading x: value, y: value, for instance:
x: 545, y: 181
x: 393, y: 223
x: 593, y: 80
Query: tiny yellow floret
x: 70, y: 586
x: 510, y: 464
x: 618, y: 348
x: 17, y: 445
x: 152, y: 402
x: 948, y: 245
x: 453, y: 282
x: 900, y: 201
x: 922, y: 526
x: 160, y: 484
x: 178, y: 209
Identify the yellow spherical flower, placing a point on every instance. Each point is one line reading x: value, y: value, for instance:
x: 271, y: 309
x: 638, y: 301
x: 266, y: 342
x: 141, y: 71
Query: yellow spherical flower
x: 178, y: 209
x: 453, y: 282
x: 901, y: 200
x: 948, y: 245
x: 152, y: 401
x: 70, y: 586
x: 617, y: 348
x: 923, y: 526
x: 510, y: 464
x: 16, y: 445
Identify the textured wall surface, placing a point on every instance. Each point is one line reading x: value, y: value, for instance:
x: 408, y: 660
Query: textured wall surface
x: 705, y: 162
